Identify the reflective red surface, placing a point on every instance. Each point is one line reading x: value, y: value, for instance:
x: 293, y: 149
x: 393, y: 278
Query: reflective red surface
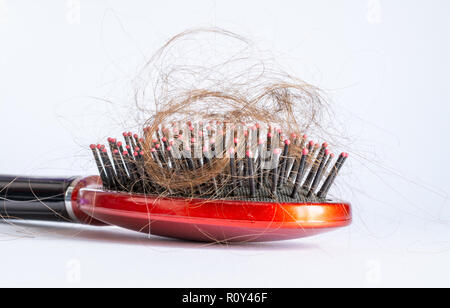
x: 90, y: 181
x: 211, y: 220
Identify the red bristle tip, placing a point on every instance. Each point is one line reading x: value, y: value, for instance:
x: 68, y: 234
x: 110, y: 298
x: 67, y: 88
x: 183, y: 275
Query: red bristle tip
x: 332, y: 155
x: 109, y: 139
x: 191, y: 128
x: 164, y: 139
x: 327, y: 152
x: 305, y: 136
x: 99, y: 146
x: 130, y: 134
x: 269, y: 135
x: 317, y: 145
x: 305, y: 151
x: 311, y: 143
x: 142, y: 153
x: 193, y: 140
x: 212, y: 140
x: 287, y: 142
x: 125, y: 153
x: 113, y: 140
x: 325, y: 145
x: 93, y: 146
x: 136, y: 136
x: 157, y: 146
x: 171, y: 142
x: 141, y: 140
x: 236, y: 140
x: 104, y: 150
x: 293, y: 136
x: 277, y: 151
x: 155, y: 140
x: 135, y: 154
x: 125, y: 134
x: 260, y: 141
x: 119, y: 143
x: 116, y: 151
x: 249, y: 154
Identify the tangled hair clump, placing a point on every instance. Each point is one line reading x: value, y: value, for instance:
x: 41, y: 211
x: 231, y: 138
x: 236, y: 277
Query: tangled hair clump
x: 213, y: 76
x: 222, y: 78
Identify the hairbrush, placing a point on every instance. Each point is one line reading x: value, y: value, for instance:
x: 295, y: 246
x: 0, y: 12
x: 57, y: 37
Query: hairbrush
x: 219, y: 182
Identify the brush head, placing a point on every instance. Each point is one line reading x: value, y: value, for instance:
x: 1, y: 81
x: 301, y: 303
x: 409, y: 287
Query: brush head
x: 218, y: 221
x: 198, y: 188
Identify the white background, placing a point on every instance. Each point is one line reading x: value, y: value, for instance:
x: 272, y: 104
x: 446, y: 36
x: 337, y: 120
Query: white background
x: 384, y: 64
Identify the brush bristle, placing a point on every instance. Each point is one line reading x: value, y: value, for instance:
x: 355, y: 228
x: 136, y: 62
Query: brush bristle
x: 281, y: 168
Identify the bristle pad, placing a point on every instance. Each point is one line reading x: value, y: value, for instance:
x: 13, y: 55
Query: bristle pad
x: 234, y: 162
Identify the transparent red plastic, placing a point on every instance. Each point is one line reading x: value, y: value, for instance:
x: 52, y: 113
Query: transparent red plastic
x: 209, y: 220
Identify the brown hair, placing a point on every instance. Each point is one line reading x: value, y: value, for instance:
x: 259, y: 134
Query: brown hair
x: 235, y: 89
